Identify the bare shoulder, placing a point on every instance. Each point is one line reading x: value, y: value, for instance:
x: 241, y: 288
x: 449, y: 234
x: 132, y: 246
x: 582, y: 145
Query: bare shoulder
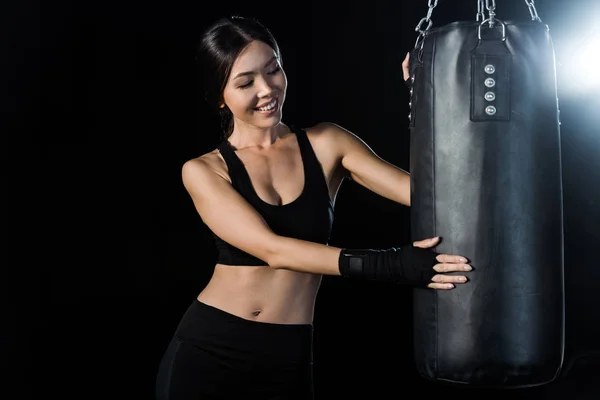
x: 205, y: 167
x: 330, y: 136
x: 325, y: 130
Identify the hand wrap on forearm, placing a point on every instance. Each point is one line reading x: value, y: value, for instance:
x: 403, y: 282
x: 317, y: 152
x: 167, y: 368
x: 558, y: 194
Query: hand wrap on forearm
x: 403, y: 265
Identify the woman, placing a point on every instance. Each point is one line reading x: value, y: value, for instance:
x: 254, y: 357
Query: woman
x: 267, y: 194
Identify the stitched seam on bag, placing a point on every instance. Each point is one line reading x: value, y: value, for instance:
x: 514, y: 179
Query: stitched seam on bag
x: 433, y: 208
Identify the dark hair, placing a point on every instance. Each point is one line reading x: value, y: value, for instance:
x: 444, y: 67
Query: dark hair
x: 219, y: 47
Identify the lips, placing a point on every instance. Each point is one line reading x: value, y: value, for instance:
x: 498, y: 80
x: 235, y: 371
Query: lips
x: 268, y: 103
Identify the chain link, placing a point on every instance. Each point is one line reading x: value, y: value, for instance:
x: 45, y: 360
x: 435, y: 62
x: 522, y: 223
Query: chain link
x: 480, y: 10
x: 533, y: 10
x: 432, y: 4
x: 427, y: 20
x: 490, y: 5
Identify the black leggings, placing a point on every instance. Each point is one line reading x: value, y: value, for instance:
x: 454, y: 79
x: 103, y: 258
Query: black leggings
x: 217, y: 355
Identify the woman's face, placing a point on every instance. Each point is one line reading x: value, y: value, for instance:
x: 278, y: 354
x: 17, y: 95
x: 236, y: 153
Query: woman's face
x: 256, y: 88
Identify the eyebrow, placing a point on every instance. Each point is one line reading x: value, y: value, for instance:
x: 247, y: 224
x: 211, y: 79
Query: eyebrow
x: 252, y: 72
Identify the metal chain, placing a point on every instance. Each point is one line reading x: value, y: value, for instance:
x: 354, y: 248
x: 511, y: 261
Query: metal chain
x: 533, y: 10
x: 419, y: 28
x: 480, y: 10
x: 491, y: 7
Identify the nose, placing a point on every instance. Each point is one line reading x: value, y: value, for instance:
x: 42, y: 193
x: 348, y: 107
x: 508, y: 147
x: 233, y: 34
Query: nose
x: 266, y: 87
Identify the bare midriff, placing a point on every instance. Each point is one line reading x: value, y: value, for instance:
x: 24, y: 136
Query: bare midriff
x: 263, y: 294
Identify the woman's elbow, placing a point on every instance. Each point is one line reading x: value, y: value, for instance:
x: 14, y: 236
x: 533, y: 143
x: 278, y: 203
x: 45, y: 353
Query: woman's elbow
x: 275, y: 253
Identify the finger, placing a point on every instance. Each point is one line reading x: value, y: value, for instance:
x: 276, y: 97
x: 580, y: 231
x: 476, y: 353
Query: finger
x: 405, y: 66
x: 441, y: 286
x: 424, y: 244
x: 450, y: 258
x: 444, y: 267
x: 449, y: 278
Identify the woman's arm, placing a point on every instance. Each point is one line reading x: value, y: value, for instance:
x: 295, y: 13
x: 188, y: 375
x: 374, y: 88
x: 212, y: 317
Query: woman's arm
x: 364, y: 166
x: 230, y: 217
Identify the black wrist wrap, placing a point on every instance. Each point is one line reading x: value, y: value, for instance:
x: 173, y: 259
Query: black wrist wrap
x: 406, y: 265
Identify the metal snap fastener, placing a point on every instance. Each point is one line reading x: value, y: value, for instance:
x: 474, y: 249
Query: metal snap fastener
x: 490, y: 69
x: 490, y: 96
x: 490, y: 82
x: 490, y: 110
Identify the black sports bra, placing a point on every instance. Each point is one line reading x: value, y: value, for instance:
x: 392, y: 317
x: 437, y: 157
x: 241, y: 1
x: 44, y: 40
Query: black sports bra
x: 309, y: 217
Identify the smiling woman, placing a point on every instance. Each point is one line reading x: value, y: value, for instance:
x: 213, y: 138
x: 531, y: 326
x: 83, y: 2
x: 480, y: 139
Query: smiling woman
x: 267, y: 193
x: 267, y: 79
x: 242, y: 57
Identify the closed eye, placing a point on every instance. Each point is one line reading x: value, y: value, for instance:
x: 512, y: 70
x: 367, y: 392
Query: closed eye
x: 273, y: 72
x: 276, y: 70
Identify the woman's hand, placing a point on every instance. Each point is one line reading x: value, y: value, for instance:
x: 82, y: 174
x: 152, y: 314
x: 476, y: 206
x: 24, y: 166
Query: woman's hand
x: 405, y: 71
x: 448, y: 263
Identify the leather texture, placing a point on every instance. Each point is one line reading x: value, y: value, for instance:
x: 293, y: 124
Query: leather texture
x: 489, y: 184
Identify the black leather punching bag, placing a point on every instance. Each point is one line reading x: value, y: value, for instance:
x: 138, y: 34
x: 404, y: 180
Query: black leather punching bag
x: 485, y: 166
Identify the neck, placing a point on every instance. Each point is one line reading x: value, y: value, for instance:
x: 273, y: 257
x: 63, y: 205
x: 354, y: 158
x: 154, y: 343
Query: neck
x: 245, y: 135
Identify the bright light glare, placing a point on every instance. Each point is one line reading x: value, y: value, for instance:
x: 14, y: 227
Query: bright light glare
x: 585, y: 62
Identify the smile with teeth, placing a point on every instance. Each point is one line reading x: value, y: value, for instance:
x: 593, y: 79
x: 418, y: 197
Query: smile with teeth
x: 269, y: 106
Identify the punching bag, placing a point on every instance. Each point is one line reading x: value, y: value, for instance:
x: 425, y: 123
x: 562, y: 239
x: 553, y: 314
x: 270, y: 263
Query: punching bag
x: 485, y: 169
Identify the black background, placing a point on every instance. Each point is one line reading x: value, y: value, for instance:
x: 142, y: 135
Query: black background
x: 105, y: 250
